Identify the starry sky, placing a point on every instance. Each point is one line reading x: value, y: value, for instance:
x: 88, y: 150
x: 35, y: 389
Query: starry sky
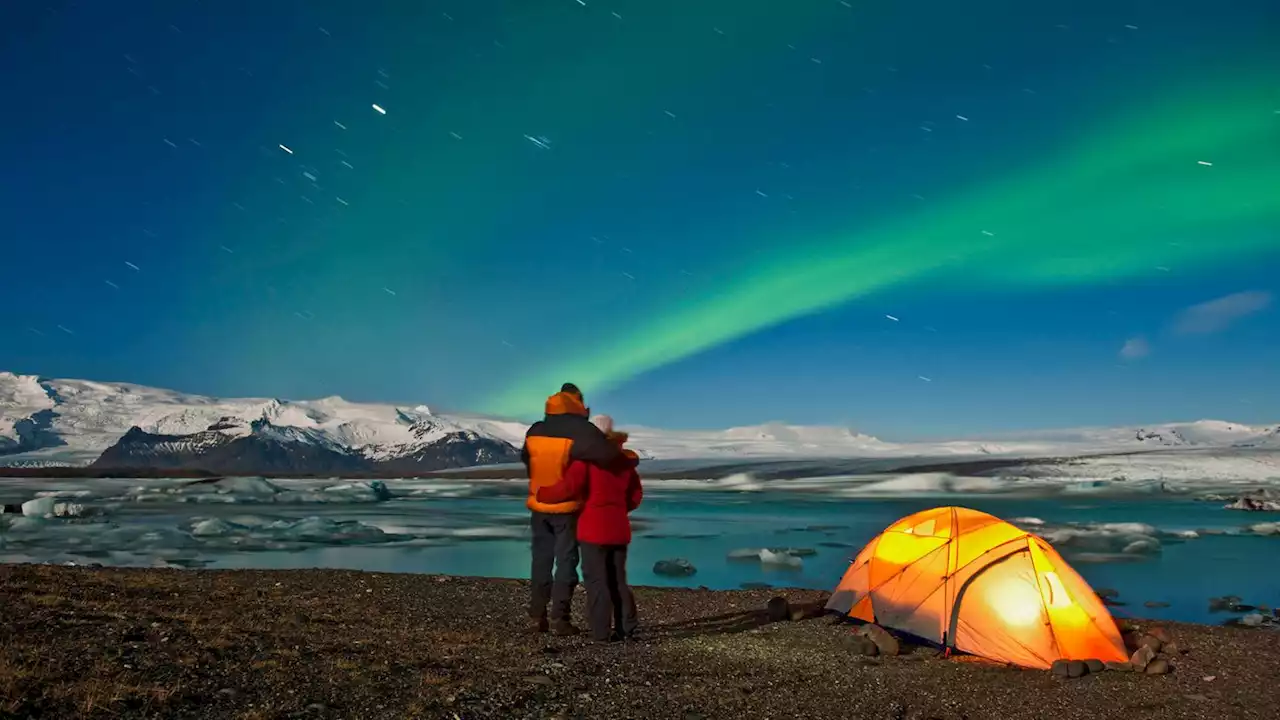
x: 918, y: 219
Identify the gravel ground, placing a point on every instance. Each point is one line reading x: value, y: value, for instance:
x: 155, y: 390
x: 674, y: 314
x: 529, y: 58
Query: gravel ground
x: 100, y: 642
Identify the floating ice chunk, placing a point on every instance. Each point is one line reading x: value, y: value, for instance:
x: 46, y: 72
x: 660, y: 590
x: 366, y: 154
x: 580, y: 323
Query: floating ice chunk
x: 1105, y: 541
x: 780, y: 559
x: 213, y: 527
x: 378, y: 107
x: 52, y: 506
x: 320, y: 529
x: 374, y: 490
x: 489, y: 533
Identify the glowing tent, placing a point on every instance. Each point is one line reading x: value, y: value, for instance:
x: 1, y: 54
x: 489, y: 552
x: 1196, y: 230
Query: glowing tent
x: 972, y: 582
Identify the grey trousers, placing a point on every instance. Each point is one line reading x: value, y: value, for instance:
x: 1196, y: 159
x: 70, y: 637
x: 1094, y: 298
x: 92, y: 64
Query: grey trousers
x: 554, y: 573
x: 609, y: 599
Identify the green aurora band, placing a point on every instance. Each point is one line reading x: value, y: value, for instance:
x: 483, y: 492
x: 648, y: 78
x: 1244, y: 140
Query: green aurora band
x: 1123, y: 200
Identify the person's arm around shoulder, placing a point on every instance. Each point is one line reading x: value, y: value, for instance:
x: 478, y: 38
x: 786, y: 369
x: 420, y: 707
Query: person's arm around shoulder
x: 591, y: 445
x: 569, y: 488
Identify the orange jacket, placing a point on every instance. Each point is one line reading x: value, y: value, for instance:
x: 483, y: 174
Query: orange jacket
x: 561, y: 437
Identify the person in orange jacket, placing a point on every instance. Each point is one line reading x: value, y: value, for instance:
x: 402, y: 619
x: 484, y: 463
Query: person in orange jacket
x: 608, y: 493
x: 563, y: 436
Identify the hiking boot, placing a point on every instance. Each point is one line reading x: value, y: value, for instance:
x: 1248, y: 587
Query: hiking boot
x: 563, y: 628
x: 537, y: 625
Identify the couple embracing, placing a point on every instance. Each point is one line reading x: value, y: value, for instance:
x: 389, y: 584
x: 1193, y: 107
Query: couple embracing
x: 582, y: 485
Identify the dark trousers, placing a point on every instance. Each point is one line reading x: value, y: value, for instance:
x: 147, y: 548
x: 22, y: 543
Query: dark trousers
x: 609, y: 598
x: 554, y: 574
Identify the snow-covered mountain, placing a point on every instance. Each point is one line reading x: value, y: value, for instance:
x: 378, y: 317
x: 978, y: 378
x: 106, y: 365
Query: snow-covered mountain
x: 76, y: 422
x: 80, y: 422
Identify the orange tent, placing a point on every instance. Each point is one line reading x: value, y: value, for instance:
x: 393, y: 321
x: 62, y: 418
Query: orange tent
x: 972, y: 582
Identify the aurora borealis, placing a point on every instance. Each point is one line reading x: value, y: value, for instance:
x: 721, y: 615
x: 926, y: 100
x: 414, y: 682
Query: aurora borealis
x: 915, y: 218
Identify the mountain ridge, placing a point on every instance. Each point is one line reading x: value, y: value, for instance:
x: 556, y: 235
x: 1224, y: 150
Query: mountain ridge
x: 102, y: 425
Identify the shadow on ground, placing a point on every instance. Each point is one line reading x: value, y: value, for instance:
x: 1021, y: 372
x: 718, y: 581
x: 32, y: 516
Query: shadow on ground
x: 730, y: 623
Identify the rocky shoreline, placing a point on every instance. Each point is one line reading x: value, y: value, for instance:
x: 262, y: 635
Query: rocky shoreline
x: 107, y: 642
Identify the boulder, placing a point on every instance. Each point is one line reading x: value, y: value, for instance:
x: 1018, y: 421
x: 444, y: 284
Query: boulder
x: 862, y: 645
x: 887, y: 644
x: 677, y: 567
x: 1142, y: 657
x: 1094, y: 665
x: 1159, y: 666
x: 1173, y: 648
x: 1252, y: 620
x: 1076, y: 668
x: 1132, y: 640
x: 779, y: 610
x: 1115, y: 666
x: 1151, y: 641
x: 1160, y: 634
x: 1060, y: 668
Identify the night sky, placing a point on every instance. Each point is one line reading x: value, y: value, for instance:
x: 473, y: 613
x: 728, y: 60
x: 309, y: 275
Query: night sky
x: 913, y: 218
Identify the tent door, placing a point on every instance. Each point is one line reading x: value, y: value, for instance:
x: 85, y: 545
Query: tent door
x: 949, y: 637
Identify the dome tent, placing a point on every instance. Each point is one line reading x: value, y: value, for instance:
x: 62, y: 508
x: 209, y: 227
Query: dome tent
x: 972, y: 582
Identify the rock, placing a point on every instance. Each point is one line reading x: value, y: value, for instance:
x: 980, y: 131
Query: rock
x: 1107, y: 593
x: 797, y: 614
x: 1160, y: 634
x: 1076, y: 669
x: 1159, y: 666
x: 887, y: 644
x: 677, y: 567
x: 1116, y: 666
x: 1252, y: 620
x: 1209, y: 678
x: 862, y: 645
x: 1227, y: 603
x: 1173, y: 648
x: 539, y: 680
x: 795, y: 552
x: 1155, y: 604
x: 1094, y: 665
x: 1142, y: 657
x: 779, y: 609
x: 1132, y: 640
x: 1061, y: 668
x: 1152, y: 642
x: 228, y: 693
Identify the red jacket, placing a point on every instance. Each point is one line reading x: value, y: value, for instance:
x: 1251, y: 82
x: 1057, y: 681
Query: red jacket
x: 607, y: 493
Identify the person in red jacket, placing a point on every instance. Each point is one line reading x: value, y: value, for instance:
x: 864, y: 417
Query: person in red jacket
x: 608, y: 493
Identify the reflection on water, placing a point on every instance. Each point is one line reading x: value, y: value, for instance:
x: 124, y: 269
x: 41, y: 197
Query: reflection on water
x: 1152, y: 547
